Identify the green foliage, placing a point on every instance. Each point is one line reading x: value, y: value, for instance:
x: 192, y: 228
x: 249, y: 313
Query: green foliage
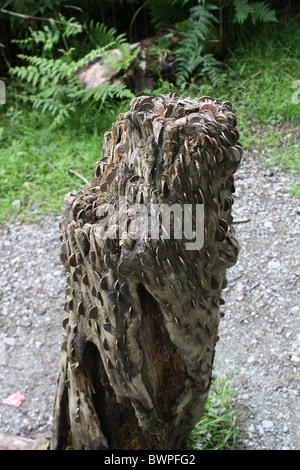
x: 262, y: 69
x: 268, y: 120
x: 192, y: 57
x: 218, y: 428
x: 202, y: 35
x: 48, y: 38
x: 49, y: 83
x: 257, y: 11
x: 35, y: 160
x: 205, y: 28
x: 104, y: 93
x: 295, y: 190
x: 99, y: 34
x: 212, y: 68
x: 59, y: 125
x: 165, y: 13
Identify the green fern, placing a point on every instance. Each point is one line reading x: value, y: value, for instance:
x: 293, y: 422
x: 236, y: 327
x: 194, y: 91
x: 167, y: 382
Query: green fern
x: 50, y: 84
x: 197, y: 32
x: 100, y: 35
x: 165, y: 13
x: 44, y: 42
x: 48, y: 38
x: 104, y: 92
x: 211, y: 67
x: 258, y: 11
x: 193, y: 60
x: 122, y: 59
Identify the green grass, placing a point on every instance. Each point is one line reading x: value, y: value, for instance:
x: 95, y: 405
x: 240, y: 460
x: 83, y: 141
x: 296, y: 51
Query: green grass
x: 218, y: 428
x: 263, y: 66
x: 295, y: 190
x: 35, y: 161
x: 261, y: 70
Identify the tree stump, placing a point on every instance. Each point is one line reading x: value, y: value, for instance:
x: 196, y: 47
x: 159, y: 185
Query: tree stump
x: 142, y: 313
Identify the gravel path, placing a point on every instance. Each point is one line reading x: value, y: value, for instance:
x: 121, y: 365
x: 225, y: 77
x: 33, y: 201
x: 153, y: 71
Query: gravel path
x: 259, y: 336
x: 260, y: 333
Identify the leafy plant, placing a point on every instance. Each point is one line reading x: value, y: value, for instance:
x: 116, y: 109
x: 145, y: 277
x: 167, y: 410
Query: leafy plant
x: 201, y: 46
x: 35, y: 159
x: 165, y: 13
x: 48, y: 81
x: 193, y: 56
x: 257, y: 11
x: 218, y: 428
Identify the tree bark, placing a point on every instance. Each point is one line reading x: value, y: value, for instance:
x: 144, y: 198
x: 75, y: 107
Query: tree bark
x: 142, y: 314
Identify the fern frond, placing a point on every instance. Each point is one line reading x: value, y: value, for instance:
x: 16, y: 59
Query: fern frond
x: 100, y: 36
x: 70, y: 27
x: 92, y: 55
x: 105, y: 91
x: 242, y: 10
x: 261, y: 12
x: 212, y: 68
x: 51, y: 85
x: 190, y: 58
x: 258, y: 11
x: 122, y: 59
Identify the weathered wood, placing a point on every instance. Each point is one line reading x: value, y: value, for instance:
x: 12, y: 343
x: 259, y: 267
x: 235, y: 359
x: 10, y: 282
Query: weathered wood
x: 142, y: 73
x: 14, y: 442
x: 141, y: 314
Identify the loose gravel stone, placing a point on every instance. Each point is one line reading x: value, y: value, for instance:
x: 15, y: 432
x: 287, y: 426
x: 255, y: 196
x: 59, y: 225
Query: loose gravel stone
x: 31, y: 305
x: 259, y: 335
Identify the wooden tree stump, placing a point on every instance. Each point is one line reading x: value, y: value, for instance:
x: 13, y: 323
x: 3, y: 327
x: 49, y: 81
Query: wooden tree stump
x: 142, y: 314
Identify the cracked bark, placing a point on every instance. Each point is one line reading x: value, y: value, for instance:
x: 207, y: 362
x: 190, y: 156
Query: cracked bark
x: 142, y: 315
